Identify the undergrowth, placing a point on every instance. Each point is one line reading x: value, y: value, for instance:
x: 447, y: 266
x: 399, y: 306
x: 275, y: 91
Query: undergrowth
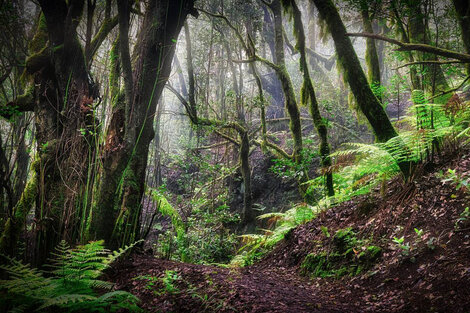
x: 202, y: 237
x: 359, y: 168
x: 71, y: 285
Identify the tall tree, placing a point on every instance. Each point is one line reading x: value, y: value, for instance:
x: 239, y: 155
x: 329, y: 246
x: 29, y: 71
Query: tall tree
x: 61, y: 94
x: 433, y: 79
x: 307, y: 95
x: 117, y: 212
x: 368, y: 103
x: 372, y: 58
x: 462, y: 8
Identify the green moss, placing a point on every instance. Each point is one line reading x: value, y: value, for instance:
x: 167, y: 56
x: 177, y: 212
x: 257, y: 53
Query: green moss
x: 370, y: 254
x: 115, y: 71
x: 40, y: 37
x: 317, y: 265
x: 15, y: 224
x: 348, y: 256
x: 344, y: 240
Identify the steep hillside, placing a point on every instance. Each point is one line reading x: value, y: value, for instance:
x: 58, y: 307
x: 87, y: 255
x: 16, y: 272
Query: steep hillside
x: 404, y: 248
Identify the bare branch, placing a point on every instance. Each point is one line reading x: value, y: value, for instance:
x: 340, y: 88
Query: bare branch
x: 428, y: 62
x: 451, y: 90
x: 464, y: 57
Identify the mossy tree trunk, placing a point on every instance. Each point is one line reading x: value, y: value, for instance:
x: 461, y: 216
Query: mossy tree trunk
x: 271, y: 83
x: 247, y: 215
x: 143, y: 86
x: 64, y: 120
x: 113, y: 157
x: 290, y: 100
x: 415, y: 80
x: 433, y: 80
x: 368, y: 103
x: 462, y: 8
x: 61, y: 93
x: 372, y: 58
x: 307, y: 95
x: 16, y: 222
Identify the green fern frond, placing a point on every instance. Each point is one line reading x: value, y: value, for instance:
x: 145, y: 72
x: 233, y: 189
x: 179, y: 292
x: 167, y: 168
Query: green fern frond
x: 73, y: 284
x: 115, y: 255
x: 66, y: 300
x: 166, y: 209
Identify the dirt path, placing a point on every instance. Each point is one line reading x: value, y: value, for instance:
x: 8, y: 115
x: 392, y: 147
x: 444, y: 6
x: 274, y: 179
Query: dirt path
x: 199, y: 288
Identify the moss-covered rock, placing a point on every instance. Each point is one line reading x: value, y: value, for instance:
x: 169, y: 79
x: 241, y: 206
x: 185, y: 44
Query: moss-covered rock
x: 347, y: 255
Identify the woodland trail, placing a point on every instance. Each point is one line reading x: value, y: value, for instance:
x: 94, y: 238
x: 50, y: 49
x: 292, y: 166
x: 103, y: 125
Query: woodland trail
x: 216, y: 289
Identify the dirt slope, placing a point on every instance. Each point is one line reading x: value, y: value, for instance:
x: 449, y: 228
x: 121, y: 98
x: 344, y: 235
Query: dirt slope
x: 433, y: 277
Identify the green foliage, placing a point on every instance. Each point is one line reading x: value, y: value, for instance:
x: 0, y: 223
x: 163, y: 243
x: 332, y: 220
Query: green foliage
x: 455, y: 178
x: 202, y: 238
x: 169, y: 281
x: 463, y: 220
x: 361, y: 167
x: 378, y: 89
x: 364, y: 166
x: 71, y: 286
x: 162, y: 285
x: 402, y: 246
x: 256, y: 246
x: 288, y: 168
x: 419, y: 233
x: 166, y: 209
x: 346, y: 255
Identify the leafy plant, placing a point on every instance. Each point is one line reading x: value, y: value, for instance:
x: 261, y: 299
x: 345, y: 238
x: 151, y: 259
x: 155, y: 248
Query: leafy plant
x: 457, y: 179
x: 167, y: 282
x: 402, y: 246
x: 202, y: 238
x: 71, y: 286
x: 419, y: 232
x: 463, y: 219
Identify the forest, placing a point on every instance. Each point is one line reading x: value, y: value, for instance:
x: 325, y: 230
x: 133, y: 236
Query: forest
x: 235, y: 156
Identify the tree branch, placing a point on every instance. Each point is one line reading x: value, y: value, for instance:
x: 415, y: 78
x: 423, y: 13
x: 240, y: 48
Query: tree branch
x: 23, y: 103
x: 465, y: 58
x: 428, y: 62
x: 100, y: 36
x: 450, y: 90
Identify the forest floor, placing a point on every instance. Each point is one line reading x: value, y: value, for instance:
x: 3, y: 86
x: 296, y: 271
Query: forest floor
x: 433, y: 276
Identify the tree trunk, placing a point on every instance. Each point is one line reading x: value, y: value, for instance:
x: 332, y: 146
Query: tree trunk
x: 271, y: 83
x: 462, y: 8
x: 372, y: 59
x: 156, y: 46
x: 308, y: 95
x: 433, y: 80
x: 286, y: 83
x: 368, y: 103
x: 64, y: 123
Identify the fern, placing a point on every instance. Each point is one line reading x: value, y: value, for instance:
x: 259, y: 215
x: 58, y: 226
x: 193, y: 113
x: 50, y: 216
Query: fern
x: 73, y: 285
x: 255, y: 246
x: 166, y: 209
x: 115, y: 255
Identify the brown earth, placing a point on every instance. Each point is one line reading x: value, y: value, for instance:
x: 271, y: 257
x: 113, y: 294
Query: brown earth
x: 434, y: 277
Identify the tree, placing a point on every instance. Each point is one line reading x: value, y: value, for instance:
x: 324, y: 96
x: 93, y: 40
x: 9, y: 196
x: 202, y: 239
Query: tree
x: 307, y: 94
x: 116, y: 216
x: 61, y: 94
x: 368, y: 103
x: 462, y: 8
